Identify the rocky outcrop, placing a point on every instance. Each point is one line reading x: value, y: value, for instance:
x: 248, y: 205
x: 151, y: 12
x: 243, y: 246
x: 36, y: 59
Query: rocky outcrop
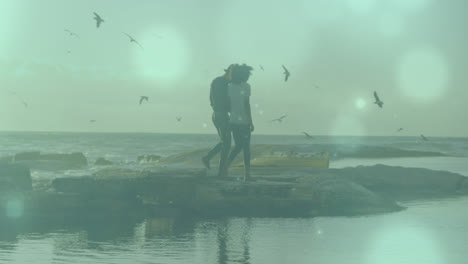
x: 288, y: 192
x: 285, y: 192
x: 405, y: 183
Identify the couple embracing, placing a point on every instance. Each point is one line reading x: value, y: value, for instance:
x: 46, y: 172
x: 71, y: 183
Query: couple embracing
x: 230, y: 100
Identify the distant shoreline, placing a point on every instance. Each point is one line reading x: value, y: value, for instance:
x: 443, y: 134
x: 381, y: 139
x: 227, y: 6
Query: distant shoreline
x: 214, y: 134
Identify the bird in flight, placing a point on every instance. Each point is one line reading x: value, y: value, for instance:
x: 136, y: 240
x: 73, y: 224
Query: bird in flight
x: 261, y: 67
x: 307, y: 135
x: 92, y: 121
x: 98, y: 19
x: 178, y: 118
x: 19, y: 97
x: 71, y: 33
x: 280, y: 119
x: 286, y: 73
x: 424, y: 138
x: 132, y: 39
x: 377, y: 100
x: 142, y: 98
x: 400, y: 129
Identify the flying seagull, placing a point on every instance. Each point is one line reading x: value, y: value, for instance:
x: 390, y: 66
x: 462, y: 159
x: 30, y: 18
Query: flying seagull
x: 19, y: 97
x: 98, y: 19
x: 286, y: 73
x: 280, y: 119
x: 377, y: 100
x: 143, y: 98
x: 179, y: 118
x: 400, y: 129
x: 132, y: 39
x: 71, y: 33
x: 424, y: 138
x: 92, y: 121
x: 307, y: 135
x: 261, y: 67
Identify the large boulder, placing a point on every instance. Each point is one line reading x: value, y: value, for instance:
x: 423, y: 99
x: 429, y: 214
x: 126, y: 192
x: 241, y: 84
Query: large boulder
x: 404, y: 182
x: 335, y: 195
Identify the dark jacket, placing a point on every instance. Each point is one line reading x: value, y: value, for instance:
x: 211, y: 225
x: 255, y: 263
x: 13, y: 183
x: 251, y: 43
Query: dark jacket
x: 219, y: 99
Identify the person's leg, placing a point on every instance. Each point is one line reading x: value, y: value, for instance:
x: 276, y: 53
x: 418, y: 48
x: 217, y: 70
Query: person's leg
x: 225, y: 135
x: 246, y: 151
x: 238, y: 141
x: 217, y: 123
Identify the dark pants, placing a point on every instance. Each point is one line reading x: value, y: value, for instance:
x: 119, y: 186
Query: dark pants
x: 221, y: 122
x: 241, y: 134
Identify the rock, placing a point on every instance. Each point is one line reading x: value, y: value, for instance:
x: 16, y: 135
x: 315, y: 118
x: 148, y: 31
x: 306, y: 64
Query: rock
x: 335, y: 195
x: 14, y: 178
x: 278, y: 192
x: 406, y: 183
x: 36, y: 160
x: 148, y: 158
x: 103, y: 162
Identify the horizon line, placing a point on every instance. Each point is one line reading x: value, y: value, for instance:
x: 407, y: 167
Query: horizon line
x: 176, y: 133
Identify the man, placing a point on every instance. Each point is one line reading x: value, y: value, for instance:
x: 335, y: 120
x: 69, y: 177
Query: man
x: 219, y: 101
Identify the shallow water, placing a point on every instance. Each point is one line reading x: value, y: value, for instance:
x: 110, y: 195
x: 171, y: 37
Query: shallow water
x: 428, y: 232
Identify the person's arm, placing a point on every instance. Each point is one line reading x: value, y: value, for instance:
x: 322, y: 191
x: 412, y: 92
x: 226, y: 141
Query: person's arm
x: 211, y: 93
x: 249, y: 112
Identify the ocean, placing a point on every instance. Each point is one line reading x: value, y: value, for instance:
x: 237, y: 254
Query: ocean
x: 430, y: 231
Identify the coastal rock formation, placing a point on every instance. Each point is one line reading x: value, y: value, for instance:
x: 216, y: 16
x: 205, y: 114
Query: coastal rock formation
x: 277, y: 192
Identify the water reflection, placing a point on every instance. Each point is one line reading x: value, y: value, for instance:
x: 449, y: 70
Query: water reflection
x: 245, y: 240
x: 223, y: 237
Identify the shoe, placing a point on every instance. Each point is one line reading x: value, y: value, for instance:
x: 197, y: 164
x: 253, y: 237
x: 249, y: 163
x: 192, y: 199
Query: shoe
x: 206, y: 162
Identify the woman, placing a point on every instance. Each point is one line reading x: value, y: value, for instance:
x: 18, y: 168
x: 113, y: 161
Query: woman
x: 241, y: 117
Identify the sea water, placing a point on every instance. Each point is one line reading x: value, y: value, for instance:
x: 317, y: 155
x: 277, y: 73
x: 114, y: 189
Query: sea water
x: 430, y: 231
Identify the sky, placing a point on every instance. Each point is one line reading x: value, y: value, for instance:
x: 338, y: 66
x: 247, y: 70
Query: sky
x: 411, y: 52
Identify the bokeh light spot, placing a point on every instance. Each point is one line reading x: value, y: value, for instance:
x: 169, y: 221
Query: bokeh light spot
x: 9, y: 10
x: 404, y: 244
x: 422, y: 75
x: 360, y: 103
x: 163, y: 59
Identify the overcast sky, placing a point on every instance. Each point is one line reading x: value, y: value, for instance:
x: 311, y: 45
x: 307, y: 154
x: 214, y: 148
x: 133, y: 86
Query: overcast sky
x: 412, y: 52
